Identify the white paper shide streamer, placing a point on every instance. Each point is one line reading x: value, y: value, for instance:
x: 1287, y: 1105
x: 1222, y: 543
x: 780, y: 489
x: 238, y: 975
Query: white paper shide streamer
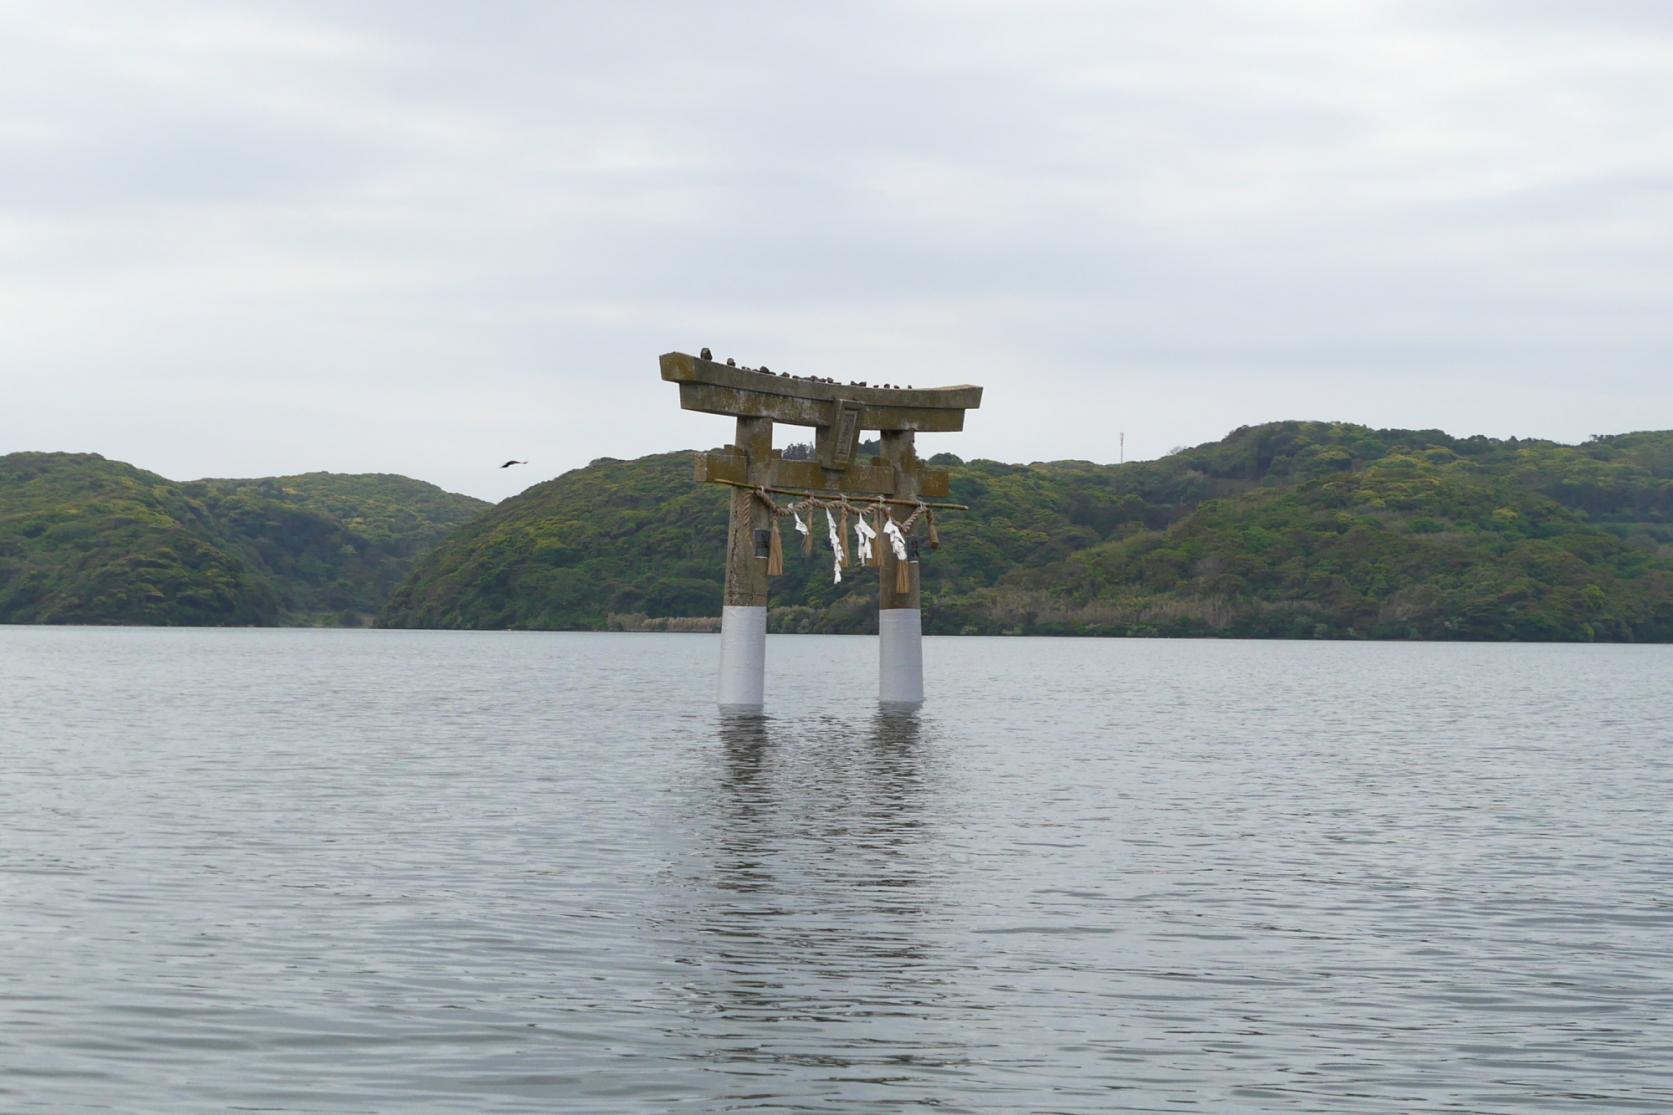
x: 897, y: 540
x: 863, y: 534
x: 801, y: 527
x: 836, y: 548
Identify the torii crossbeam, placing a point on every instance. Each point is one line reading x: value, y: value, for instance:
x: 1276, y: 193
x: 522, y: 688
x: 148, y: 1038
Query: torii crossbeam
x: 838, y: 412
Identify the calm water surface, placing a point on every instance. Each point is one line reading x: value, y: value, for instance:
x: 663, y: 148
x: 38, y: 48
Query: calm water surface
x: 420, y: 871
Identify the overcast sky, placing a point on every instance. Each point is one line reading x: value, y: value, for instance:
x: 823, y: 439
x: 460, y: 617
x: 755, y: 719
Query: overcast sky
x: 246, y: 239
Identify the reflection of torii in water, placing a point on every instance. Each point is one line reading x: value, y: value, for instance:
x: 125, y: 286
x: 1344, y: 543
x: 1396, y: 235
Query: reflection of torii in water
x: 808, y: 903
x: 893, y: 482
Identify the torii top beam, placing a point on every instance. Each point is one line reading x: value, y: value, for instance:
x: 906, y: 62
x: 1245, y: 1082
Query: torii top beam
x: 838, y: 412
x: 748, y: 393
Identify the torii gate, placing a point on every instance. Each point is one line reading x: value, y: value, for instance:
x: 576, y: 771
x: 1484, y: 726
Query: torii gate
x: 838, y: 412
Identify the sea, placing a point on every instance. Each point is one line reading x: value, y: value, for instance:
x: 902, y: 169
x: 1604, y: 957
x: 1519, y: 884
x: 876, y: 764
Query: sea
x: 391, y: 871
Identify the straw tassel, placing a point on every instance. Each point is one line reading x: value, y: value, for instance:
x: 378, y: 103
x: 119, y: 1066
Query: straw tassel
x: 876, y: 550
x: 775, y: 552
x: 807, y: 535
x: 903, y: 577
x: 842, y: 550
x: 934, y: 536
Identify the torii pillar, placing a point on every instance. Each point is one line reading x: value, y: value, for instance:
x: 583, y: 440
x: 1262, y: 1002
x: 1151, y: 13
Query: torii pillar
x: 900, y: 617
x: 743, y: 616
x: 756, y: 398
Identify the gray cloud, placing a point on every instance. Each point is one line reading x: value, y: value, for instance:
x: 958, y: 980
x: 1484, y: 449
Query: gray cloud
x: 242, y: 238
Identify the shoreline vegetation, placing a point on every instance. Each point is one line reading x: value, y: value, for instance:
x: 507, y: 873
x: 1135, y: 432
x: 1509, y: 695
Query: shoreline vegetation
x: 1284, y: 530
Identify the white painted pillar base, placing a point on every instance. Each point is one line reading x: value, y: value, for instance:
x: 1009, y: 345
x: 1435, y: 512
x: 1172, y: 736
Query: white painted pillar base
x: 743, y: 658
x: 900, y: 660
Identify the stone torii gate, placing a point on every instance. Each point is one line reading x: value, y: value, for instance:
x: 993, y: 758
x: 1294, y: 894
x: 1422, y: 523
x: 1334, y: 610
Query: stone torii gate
x: 838, y: 413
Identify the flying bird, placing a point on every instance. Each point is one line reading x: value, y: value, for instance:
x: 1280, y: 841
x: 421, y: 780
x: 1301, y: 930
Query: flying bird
x: 508, y: 464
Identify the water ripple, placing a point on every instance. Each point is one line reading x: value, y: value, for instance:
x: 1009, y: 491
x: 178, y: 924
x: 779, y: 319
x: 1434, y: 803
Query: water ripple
x: 376, y: 871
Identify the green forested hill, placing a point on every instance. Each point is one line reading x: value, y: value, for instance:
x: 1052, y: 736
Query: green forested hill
x: 87, y: 540
x: 614, y: 537
x: 1421, y: 543
x: 1291, y: 529
x: 334, y: 546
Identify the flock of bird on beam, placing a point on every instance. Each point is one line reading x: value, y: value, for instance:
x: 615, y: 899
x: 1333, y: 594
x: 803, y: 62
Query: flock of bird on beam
x: 764, y: 370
